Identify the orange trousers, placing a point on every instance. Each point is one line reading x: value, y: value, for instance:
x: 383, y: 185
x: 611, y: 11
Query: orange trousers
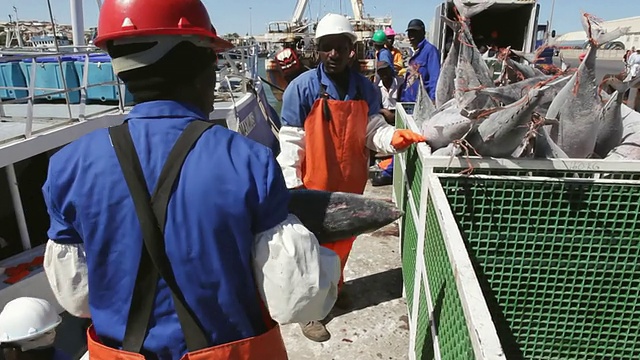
x: 342, y: 248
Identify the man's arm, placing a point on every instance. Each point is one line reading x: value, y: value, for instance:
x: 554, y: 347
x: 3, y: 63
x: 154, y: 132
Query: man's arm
x: 389, y: 116
x: 430, y: 72
x: 296, y: 277
x: 65, y: 263
x: 382, y: 137
x: 379, y: 133
x: 292, y: 135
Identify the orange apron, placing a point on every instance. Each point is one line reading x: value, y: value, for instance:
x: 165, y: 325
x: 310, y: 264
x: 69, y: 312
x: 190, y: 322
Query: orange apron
x: 154, y: 264
x: 336, y: 156
x: 266, y: 346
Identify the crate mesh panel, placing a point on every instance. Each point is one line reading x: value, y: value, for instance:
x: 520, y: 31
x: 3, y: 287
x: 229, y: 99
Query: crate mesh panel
x: 398, y: 182
x: 424, y: 342
x: 448, y: 316
x: 559, y: 264
x: 414, y: 174
x: 409, y: 246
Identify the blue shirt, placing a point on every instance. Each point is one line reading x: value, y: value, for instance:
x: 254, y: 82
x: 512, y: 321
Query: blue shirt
x: 427, y: 61
x: 303, y: 91
x: 230, y: 189
x: 385, y: 54
x: 61, y: 355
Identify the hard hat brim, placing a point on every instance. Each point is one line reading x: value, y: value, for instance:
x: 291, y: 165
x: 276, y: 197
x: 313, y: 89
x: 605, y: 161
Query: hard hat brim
x: 36, y: 334
x: 217, y: 43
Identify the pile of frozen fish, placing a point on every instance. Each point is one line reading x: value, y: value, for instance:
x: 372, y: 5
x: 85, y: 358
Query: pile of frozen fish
x: 526, y: 113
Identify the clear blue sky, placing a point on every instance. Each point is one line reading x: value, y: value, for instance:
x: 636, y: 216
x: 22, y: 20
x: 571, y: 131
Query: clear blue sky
x: 233, y: 15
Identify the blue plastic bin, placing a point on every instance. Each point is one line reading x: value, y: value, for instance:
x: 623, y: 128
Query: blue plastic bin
x: 11, y: 75
x: 48, y: 76
x: 100, y: 71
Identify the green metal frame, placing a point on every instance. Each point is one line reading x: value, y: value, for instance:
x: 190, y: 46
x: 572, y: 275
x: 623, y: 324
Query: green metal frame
x: 525, y: 259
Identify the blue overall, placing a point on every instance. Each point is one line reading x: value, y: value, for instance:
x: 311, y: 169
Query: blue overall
x: 230, y: 189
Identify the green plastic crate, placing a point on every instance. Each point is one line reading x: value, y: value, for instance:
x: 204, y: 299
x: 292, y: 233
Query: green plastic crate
x: 526, y: 259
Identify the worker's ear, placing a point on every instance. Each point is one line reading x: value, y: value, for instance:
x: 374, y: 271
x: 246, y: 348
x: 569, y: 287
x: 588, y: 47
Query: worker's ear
x: 352, y: 54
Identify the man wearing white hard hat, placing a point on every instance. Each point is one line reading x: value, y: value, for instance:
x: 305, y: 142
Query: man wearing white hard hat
x: 28, y: 330
x: 330, y: 119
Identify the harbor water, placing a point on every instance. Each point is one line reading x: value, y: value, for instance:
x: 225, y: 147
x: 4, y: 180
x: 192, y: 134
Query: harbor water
x: 267, y: 89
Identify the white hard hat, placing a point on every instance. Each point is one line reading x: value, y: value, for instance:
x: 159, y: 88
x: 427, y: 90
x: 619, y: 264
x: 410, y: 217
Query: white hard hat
x: 27, y: 318
x: 334, y: 24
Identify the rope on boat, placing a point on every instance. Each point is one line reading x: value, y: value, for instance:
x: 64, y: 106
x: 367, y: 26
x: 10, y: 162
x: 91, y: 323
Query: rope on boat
x: 271, y: 84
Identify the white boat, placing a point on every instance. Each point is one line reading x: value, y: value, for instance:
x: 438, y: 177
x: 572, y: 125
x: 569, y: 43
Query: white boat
x: 36, y: 120
x: 49, y: 41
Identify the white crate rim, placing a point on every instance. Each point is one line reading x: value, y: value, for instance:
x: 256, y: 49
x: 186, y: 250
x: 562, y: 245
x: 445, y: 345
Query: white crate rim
x: 578, y: 165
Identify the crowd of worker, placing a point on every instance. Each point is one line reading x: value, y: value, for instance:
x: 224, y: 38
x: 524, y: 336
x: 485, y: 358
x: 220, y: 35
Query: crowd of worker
x: 398, y: 82
x: 178, y: 269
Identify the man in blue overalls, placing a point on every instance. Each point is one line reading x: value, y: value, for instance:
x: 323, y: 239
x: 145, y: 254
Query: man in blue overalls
x: 202, y: 264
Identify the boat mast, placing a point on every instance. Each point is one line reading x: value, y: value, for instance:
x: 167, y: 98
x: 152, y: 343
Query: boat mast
x: 17, y: 31
x: 77, y: 23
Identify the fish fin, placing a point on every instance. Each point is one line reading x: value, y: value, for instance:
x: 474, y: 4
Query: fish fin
x: 612, y: 35
x: 454, y: 25
x: 634, y: 82
x: 597, y: 33
x: 619, y: 86
x: 530, y: 57
x: 467, y: 12
x: 551, y: 121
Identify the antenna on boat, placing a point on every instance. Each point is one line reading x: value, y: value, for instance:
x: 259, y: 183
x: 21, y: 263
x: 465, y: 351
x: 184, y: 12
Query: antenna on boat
x: 53, y: 27
x: 17, y: 31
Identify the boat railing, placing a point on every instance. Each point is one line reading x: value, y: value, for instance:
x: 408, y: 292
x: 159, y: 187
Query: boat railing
x: 72, y: 85
x: 64, y: 81
x: 242, y: 71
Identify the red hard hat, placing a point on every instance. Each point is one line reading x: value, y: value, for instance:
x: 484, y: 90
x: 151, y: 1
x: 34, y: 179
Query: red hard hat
x: 138, y: 18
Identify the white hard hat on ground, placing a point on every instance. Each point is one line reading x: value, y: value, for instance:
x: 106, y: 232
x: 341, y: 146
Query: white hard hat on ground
x: 334, y: 24
x: 26, y: 318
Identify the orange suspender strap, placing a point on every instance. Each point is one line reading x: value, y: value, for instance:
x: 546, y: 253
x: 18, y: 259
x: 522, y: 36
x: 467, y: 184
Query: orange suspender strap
x: 151, y: 212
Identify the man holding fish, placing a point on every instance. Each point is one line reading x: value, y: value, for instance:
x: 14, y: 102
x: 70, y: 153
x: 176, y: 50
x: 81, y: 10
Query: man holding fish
x: 189, y: 271
x: 330, y: 119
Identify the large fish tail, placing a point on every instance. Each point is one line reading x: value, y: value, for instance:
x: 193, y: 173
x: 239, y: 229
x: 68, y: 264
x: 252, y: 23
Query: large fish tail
x: 597, y: 34
x: 467, y: 12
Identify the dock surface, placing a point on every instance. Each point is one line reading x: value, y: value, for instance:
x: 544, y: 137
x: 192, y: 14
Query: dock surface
x: 376, y: 326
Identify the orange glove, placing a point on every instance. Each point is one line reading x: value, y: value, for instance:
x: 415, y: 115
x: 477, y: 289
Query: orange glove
x: 403, y: 138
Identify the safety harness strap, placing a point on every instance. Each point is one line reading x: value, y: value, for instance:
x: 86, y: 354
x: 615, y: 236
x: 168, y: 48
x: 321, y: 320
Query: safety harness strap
x: 152, y: 212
